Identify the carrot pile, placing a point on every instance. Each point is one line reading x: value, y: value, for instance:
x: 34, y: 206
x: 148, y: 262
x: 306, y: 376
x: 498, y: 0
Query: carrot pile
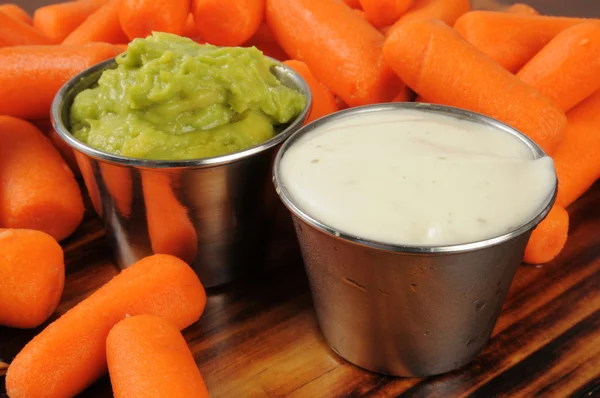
x: 537, y: 73
x: 75, y: 344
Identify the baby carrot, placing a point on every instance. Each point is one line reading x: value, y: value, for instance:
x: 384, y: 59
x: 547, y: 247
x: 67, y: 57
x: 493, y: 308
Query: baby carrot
x: 361, y: 13
x: 102, y: 26
x: 228, y: 22
x: 169, y: 226
x: 568, y: 68
x: 58, y: 20
x: 75, y: 344
x: 148, y: 357
x: 348, y: 59
x: 37, y: 189
x: 44, y: 124
x: 353, y: 4
x: 14, y: 32
x: 16, y: 12
x: 264, y: 40
x: 190, y: 29
x: 523, y: 9
x: 32, y: 276
x: 576, y: 161
x: 121, y: 48
x: 139, y: 18
x: 340, y: 103
x: 382, y: 13
x: 508, y: 38
x: 447, y: 11
x: 30, y: 76
x: 323, y: 101
x: 549, y: 238
x: 386, y: 29
x: 405, y: 95
x: 470, y: 80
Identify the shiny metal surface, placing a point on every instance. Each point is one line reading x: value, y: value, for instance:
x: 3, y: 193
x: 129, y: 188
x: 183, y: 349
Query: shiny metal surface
x: 215, y: 213
x: 407, y: 310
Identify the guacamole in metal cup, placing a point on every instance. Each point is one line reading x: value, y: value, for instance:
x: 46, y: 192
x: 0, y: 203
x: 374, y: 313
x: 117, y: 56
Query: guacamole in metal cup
x: 171, y: 98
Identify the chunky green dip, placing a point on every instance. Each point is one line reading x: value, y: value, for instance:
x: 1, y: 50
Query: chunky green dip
x: 172, y: 98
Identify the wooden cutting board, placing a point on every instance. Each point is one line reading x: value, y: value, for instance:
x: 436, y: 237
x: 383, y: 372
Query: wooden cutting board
x: 259, y: 337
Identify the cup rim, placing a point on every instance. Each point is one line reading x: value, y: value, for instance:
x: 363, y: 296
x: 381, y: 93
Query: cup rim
x: 91, y: 75
x: 527, y: 226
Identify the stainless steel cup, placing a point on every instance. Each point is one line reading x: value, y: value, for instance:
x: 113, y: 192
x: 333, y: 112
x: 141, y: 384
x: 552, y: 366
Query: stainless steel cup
x: 215, y: 213
x: 407, y: 310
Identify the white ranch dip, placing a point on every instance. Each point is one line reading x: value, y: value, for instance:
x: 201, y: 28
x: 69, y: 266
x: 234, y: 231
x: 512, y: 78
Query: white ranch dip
x: 411, y: 177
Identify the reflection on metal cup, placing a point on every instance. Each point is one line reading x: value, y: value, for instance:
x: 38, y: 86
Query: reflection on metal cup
x: 211, y: 212
x: 118, y: 183
x: 407, y: 310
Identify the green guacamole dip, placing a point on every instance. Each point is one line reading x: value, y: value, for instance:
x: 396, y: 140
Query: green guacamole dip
x: 172, y: 98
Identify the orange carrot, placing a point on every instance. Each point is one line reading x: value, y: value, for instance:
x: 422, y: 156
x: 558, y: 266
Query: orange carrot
x: 75, y: 344
x: 386, y: 29
x: 228, y: 22
x: 14, y: 32
x: 340, y: 103
x: 148, y: 357
x: 323, y: 101
x: 102, y: 26
x: 447, y: 11
x: 348, y: 58
x: 44, y: 124
x: 58, y: 20
x: 382, y: 13
x: 30, y: 76
x: 576, y: 161
x: 523, y: 9
x: 405, y: 95
x: 190, y: 29
x: 353, y: 4
x: 64, y: 149
x: 16, y: 12
x: 419, y: 99
x: 508, y: 38
x: 470, y: 80
x: 139, y: 18
x: 37, y: 188
x: 32, y: 276
x: 118, y: 183
x: 360, y: 13
x: 549, y: 238
x: 169, y: 226
x: 121, y: 48
x: 568, y: 68
x: 264, y: 40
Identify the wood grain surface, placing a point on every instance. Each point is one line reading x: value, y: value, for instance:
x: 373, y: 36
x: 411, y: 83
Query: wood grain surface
x: 259, y: 337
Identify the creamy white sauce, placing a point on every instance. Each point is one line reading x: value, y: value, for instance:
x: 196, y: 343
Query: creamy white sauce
x: 416, y: 178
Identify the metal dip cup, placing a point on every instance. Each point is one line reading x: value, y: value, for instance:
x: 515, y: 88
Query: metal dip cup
x: 407, y: 310
x: 215, y: 213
